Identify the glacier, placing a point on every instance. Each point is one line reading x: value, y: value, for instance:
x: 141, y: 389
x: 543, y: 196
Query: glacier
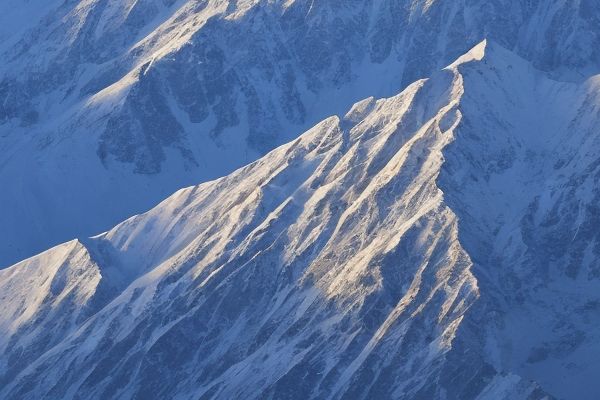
x: 438, y: 243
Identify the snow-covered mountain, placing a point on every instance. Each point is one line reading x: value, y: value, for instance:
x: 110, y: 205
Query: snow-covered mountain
x: 107, y: 107
x: 441, y: 243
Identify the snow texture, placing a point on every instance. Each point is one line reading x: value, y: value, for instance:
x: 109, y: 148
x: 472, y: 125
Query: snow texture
x: 107, y: 107
x: 440, y: 243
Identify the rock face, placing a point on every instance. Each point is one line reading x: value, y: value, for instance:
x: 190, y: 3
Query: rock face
x: 107, y: 107
x: 437, y: 244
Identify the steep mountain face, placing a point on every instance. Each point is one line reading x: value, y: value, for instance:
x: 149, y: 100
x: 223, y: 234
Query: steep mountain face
x: 439, y: 243
x: 143, y: 97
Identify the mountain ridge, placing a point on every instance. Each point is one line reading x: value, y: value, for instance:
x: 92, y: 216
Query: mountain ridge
x: 151, y: 96
x: 363, y: 259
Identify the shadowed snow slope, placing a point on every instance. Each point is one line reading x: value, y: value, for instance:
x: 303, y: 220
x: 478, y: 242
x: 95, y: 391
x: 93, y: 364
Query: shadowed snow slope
x: 107, y: 107
x: 438, y: 244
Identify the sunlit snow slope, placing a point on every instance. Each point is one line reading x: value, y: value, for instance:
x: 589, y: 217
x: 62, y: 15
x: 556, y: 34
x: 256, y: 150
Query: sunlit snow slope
x: 437, y: 244
x: 109, y: 106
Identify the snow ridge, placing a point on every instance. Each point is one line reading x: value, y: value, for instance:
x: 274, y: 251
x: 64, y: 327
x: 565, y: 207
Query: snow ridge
x: 144, y: 97
x: 349, y: 263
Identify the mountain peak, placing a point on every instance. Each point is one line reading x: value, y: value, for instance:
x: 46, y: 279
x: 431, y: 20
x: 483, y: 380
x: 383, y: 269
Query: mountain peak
x: 223, y: 83
x: 434, y: 236
x: 359, y: 231
x: 477, y: 53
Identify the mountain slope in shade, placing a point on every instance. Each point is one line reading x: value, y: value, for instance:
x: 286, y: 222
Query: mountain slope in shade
x: 439, y: 243
x: 143, y: 97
